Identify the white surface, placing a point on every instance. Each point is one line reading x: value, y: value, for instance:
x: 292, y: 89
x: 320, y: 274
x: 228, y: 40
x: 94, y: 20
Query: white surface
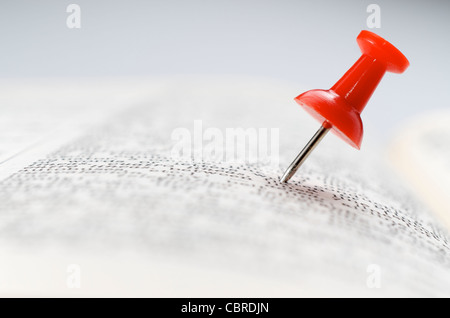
x: 138, y: 222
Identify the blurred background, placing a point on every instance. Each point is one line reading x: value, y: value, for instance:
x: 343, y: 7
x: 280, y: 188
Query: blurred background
x: 307, y: 42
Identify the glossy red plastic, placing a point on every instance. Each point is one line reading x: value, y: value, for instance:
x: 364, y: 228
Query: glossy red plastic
x: 339, y: 108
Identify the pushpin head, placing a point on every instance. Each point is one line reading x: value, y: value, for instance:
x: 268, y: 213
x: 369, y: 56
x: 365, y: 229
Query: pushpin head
x: 375, y: 46
x: 340, y: 107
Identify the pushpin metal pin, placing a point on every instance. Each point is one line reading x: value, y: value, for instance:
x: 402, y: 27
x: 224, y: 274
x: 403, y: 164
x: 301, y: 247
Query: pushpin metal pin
x: 339, y: 108
x: 301, y: 157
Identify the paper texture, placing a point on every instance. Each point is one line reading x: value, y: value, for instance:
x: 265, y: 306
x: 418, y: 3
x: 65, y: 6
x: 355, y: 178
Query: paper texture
x: 112, y: 199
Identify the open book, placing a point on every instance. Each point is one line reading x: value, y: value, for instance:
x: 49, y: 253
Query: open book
x: 118, y: 188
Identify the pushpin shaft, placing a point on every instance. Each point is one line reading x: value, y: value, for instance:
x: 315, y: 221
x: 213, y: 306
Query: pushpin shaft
x: 298, y: 161
x: 368, y: 72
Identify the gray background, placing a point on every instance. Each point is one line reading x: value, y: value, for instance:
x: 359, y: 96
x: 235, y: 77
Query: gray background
x: 309, y: 42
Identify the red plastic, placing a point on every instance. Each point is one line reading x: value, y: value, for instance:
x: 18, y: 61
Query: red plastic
x: 339, y: 108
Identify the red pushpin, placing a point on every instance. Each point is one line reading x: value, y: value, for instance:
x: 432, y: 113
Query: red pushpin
x: 339, y: 108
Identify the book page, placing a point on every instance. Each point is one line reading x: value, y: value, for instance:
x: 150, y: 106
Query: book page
x: 421, y: 153
x: 118, y: 210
